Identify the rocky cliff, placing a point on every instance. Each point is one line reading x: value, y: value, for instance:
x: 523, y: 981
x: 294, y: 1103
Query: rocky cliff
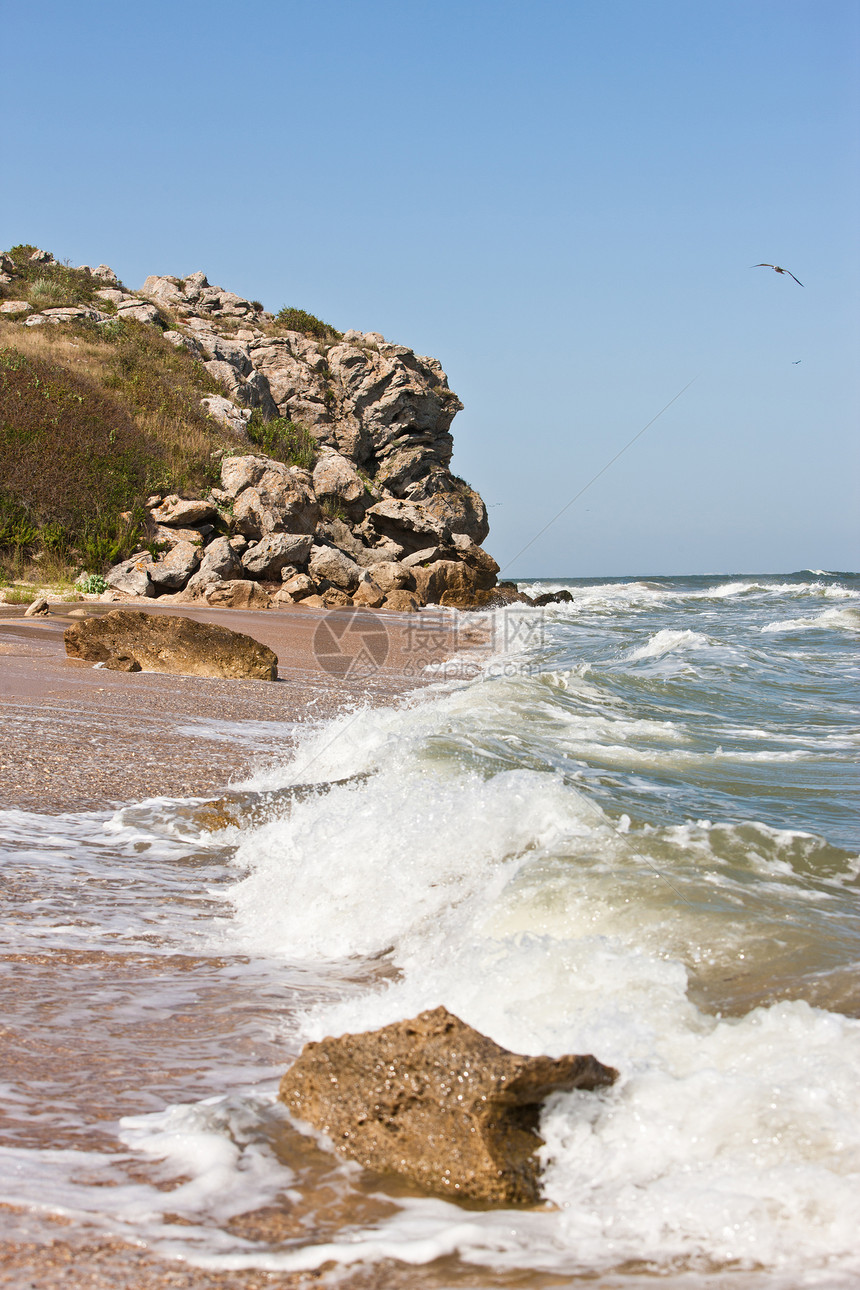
x: 367, y: 512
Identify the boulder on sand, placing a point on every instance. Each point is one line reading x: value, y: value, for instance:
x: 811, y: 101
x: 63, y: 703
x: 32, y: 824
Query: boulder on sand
x: 163, y: 643
x: 437, y: 1101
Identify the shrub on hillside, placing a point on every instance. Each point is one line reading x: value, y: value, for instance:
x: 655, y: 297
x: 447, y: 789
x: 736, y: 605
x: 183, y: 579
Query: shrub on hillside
x: 47, y: 285
x: 299, y: 320
x: 284, y: 440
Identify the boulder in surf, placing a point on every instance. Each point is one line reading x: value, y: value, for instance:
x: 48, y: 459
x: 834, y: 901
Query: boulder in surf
x: 438, y: 1102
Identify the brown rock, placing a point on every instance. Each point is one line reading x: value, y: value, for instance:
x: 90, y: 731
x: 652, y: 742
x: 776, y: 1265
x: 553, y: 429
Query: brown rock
x: 391, y: 575
x: 178, y: 512
x: 367, y: 593
x: 122, y: 663
x: 469, y: 600
x: 411, y: 526
x: 299, y: 586
x: 334, y: 598
x: 37, y: 607
x: 433, y: 1099
x: 403, y: 601
x: 238, y: 593
x: 175, y: 568
x: 162, y: 643
x: 446, y: 577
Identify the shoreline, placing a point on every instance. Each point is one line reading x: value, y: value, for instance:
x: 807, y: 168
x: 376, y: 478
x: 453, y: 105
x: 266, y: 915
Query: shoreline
x: 78, y: 738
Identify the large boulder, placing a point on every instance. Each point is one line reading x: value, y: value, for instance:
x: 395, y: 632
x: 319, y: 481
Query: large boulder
x: 453, y: 503
x: 266, y: 558
x: 298, y: 587
x: 328, y: 564
x: 163, y: 643
x: 137, y: 311
x: 220, y: 563
x: 176, y: 512
x: 337, y: 482
x: 367, y: 593
x: 405, y: 602
x: 447, y: 582
x: 270, y: 496
x: 132, y: 576
x: 238, y: 593
x: 392, y: 575
x: 410, y: 526
x: 295, y: 372
x: 171, y: 571
x: 225, y: 412
x: 438, y: 1102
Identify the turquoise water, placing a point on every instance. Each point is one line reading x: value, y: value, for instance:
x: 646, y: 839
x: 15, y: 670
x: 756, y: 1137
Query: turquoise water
x: 627, y: 825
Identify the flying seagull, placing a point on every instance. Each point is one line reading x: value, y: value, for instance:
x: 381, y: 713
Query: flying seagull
x: 777, y: 269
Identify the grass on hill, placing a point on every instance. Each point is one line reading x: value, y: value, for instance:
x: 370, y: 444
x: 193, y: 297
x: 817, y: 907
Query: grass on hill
x: 95, y: 418
x: 48, y: 286
x: 92, y: 420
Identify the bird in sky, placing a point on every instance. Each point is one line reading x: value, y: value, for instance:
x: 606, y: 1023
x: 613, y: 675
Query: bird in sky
x: 777, y: 269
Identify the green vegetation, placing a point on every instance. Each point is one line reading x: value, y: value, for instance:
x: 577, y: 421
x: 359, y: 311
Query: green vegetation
x: 48, y: 286
x: 284, y: 440
x: 332, y: 509
x: 95, y: 417
x: 74, y: 459
x: 18, y: 596
x: 92, y: 420
x: 93, y: 584
x: 299, y: 320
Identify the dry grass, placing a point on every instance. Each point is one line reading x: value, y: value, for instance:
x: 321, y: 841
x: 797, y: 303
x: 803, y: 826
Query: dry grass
x: 93, y: 419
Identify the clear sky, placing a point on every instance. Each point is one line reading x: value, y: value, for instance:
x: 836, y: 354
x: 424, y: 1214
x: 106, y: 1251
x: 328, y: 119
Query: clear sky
x: 560, y: 201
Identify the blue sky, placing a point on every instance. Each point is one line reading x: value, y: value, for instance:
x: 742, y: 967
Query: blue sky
x: 560, y: 201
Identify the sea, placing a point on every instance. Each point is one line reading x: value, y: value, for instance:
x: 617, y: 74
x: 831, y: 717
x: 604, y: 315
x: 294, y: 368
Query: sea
x: 625, y: 824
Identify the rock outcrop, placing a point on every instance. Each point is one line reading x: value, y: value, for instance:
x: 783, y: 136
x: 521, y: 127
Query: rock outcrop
x: 436, y: 1101
x: 374, y: 484
x: 133, y: 641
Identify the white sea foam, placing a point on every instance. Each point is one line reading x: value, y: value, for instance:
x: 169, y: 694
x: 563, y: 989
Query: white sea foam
x: 667, y: 641
x: 458, y: 852
x: 518, y: 881
x: 847, y: 619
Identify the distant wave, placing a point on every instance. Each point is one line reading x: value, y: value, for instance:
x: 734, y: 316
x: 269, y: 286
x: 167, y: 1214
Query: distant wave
x: 847, y: 619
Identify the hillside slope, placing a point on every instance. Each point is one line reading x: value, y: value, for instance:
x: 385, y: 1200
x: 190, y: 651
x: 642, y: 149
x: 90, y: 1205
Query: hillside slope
x: 113, y: 400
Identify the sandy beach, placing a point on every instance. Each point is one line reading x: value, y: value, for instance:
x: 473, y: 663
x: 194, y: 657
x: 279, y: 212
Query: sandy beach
x: 74, y: 737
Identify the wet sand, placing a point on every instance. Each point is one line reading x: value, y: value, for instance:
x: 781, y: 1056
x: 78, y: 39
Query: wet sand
x: 74, y: 737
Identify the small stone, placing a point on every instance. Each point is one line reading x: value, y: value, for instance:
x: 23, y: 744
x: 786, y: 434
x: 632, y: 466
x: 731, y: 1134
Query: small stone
x: 122, y: 663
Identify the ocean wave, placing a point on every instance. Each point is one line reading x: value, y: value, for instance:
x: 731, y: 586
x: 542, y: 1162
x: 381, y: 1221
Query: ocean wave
x: 776, y: 590
x: 847, y: 619
x: 667, y: 641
